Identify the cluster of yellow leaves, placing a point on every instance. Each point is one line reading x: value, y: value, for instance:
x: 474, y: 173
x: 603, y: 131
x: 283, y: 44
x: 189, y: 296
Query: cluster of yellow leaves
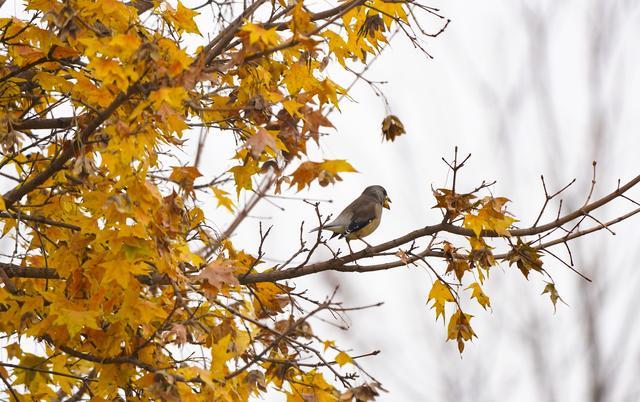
x: 130, y: 274
x: 484, y: 217
x: 491, y: 215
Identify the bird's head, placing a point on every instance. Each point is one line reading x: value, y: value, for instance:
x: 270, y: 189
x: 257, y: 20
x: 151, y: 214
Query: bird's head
x: 379, y: 194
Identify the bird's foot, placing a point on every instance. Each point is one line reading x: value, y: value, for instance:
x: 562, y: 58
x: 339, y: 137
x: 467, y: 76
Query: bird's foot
x: 368, y: 247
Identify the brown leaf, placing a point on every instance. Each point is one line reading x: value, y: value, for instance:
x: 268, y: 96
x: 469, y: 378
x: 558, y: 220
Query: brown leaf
x: 525, y: 257
x: 403, y: 256
x: 313, y: 120
x: 180, y: 331
x: 458, y: 266
x: 184, y: 176
x: 326, y: 172
x: 215, y: 275
x: 259, y: 141
x: 362, y: 393
x: 392, y: 127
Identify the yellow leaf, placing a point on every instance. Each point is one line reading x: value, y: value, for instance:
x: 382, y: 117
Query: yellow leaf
x: 220, y: 354
x: 479, y: 295
x: 474, y: 223
x: 491, y: 216
x: 223, y: 200
x: 296, y: 77
x: 328, y: 344
x: 182, y: 19
x: 184, y: 176
x: 440, y: 294
x: 120, y: 271
x: 343, y: 358
x: 292, y: 107
x: 257, y: 33
x: 75, y: 320
x: 242, y: 174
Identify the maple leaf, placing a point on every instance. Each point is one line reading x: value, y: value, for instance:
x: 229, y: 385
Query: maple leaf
x: 270, y: 299
x: 362, y: 393
x: 242, y: 174
x: 216, y: 275
x: 553, y: 294
x: 453, y: 203
x: 459, y: 329
x: 220, y: 354
x: 475, y: 223
x: 223, y: 199
x: 185, y: 176
x: 180, y: 332
x: 481, y: 252
x: 256, y: 379
x: 182, y: 18
x: 458, y: 266
x: 297, y: 77
x: 325, y: 172
x: 342, y: 358
x: 440, y: 294
x: 479, y: 295
x: 75, y: 320
x: 313, y: 120
x: 258, y: 141
x: 525, y: 257
x: 121, y: 272
x: 491, y: 216
x: 257, y: 33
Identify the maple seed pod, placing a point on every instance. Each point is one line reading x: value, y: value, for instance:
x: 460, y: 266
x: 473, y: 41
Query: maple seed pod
x: 392, y: 127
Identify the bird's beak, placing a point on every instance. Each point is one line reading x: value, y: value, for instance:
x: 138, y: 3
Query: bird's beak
x: 386, y: 203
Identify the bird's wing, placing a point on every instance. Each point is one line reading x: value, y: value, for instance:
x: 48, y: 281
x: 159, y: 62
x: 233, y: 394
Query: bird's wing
x: 364, y: 215
x: 354, y: 217
x: 343, y: 220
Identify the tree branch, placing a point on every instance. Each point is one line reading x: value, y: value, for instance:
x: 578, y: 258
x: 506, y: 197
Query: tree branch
x: 68, y: 152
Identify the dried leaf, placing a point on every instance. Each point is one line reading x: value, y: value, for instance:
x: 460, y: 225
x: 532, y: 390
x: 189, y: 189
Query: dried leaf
x: 392, y: 127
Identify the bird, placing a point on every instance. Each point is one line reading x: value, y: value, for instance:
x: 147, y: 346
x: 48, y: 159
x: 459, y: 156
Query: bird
x: 361, y: 217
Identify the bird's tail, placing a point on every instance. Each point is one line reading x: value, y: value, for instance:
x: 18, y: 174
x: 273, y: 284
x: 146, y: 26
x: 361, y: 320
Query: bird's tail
x: 326, y: 227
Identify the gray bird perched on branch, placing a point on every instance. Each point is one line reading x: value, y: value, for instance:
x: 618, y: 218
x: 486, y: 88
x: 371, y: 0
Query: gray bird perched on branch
x: 361, y: 217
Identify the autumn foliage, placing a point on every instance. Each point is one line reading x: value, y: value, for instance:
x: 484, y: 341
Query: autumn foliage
x: 115, y: 285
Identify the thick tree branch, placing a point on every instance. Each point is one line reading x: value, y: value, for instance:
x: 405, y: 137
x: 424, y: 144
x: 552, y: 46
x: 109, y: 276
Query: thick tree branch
x: 43, y: 124
x: 38, y: 219
x: 334, y: 264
